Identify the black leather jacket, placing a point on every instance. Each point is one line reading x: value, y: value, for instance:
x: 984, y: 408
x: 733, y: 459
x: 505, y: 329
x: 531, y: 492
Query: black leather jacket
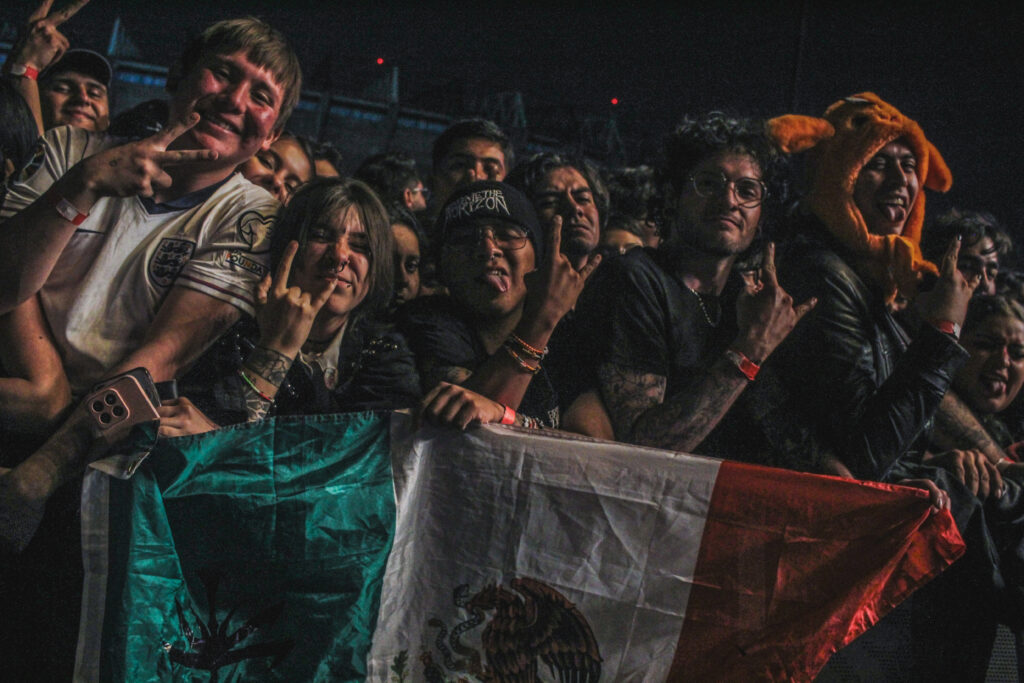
x: 376, y: 372
x: 848, y: 371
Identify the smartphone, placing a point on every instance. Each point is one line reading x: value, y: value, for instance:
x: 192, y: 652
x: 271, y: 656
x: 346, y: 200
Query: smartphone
x: 122, y: 402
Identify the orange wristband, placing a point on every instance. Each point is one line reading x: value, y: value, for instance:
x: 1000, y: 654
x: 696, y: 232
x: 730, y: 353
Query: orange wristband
x: 947, y: 326
x: 509, y: 418
x: 748, y: 367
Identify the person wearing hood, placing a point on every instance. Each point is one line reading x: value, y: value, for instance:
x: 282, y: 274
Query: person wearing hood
x: 864, y: 378
x: 866, y: 388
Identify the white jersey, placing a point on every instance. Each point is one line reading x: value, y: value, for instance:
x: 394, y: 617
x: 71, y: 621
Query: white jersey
x: 110, y: 280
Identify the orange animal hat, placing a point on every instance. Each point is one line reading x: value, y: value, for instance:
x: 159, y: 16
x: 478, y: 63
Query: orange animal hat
x: 852, y: 132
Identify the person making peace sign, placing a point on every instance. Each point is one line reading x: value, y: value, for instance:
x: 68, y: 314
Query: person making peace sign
x: 143, y: 253
x: 60, y: 86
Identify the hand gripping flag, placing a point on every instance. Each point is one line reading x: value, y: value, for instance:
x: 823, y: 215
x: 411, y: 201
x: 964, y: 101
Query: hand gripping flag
x: 349, y: 547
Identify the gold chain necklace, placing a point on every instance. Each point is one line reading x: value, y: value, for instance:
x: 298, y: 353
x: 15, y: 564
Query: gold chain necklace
x: 703, y: 309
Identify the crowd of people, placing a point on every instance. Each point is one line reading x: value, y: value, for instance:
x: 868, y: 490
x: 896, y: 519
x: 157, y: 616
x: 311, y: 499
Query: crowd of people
x: 711, y: 302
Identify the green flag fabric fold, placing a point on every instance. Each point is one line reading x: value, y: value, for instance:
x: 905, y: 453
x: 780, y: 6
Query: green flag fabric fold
x: 250, y: 553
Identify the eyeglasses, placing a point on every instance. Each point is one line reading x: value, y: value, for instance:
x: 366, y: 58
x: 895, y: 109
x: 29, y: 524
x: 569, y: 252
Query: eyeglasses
x: 504, y: 236
x: 750, y: 192
x: 423, y: 191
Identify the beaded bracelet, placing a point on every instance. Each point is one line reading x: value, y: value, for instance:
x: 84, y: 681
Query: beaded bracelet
x: 530, y: 422
x: 252, y: 385
x: 527, y: 350
x: 523, y: 365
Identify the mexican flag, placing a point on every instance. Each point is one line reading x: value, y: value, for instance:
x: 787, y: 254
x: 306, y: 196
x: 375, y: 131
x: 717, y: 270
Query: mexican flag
x: 353, y: 547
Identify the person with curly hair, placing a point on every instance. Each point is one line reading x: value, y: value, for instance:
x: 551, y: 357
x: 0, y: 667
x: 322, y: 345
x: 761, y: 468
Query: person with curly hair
x: 682, y: 329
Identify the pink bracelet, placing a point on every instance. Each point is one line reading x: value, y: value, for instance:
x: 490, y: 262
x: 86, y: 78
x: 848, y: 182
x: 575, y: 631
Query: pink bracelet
x: 509, y: 418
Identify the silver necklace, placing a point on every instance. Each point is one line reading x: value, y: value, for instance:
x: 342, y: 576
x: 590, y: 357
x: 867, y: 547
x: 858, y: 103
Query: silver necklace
x: 703, y: 309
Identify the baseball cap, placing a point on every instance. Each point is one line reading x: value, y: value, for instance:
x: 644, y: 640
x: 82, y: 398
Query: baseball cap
x: 490, y: 199
x: 82, y: 61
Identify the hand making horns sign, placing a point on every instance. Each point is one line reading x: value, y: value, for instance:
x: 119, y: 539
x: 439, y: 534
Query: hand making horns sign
x: 765, y: 313
x: 42, y: 44
x: 138, y: 167
x: 285, y: 314
x: 552, y: 289
x: 947, y: 300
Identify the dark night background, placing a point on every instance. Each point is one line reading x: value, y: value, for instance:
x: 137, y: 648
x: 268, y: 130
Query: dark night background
x: 955, y: 69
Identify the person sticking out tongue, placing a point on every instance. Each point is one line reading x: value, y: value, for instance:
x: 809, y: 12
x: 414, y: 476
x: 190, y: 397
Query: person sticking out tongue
x: 480, y: 350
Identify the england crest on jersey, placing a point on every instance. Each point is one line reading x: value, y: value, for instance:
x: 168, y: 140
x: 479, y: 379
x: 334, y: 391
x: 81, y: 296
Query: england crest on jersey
x: 169, y: 258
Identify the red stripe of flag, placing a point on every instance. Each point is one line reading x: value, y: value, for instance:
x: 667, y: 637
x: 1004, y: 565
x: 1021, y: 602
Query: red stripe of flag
x: 777, y: 590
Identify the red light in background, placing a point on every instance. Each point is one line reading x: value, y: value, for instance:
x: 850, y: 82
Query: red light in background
x: 615, y: 100
x: 380, y: 60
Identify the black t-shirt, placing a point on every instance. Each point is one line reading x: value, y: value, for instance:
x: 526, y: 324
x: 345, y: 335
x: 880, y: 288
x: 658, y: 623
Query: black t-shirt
x: 441, y: 335
x: 572, y: 348
x: 641, y: 317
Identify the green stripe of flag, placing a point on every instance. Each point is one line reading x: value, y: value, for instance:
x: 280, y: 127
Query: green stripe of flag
x: 289, y: 521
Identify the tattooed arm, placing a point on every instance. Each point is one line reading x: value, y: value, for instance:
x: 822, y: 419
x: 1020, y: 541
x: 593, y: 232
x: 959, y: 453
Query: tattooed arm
x: 228, y: 391
x: 641, y: 414
x: 269, y: 365
x: 261, y: 375
x: 956, y: 428
x: 968, y: 452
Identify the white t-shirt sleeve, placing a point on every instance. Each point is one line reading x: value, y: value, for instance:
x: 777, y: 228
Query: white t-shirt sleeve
x: 57, y: 151
x: 235, y: 254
